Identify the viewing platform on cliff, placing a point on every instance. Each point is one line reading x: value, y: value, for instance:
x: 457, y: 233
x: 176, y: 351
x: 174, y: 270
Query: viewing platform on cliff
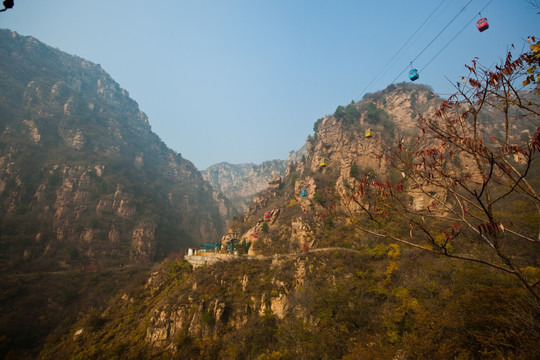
x: 208, y: 258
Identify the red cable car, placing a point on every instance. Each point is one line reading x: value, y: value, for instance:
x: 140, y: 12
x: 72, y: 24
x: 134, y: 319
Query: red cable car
x: 482, y: 24
x: 267, y: 215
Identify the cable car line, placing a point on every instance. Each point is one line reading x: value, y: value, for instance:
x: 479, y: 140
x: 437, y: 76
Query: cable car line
x: 401, y: 48
x: 435, y: 38
x: 448, y: 43
x: 444, y: 11
x: 455, y: 36
x: 440, y: 32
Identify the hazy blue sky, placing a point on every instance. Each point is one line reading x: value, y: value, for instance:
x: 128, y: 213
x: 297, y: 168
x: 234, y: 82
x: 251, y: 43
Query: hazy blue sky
x: 244, y: 80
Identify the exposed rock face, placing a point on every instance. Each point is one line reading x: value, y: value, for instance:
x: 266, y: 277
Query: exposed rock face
x: 240, y: 183
x: 79, y: 160
x: 229, y: 304
x: 313, y: 292
x: 190, y: 311
x: 337, y: 157
x: 85, y: 186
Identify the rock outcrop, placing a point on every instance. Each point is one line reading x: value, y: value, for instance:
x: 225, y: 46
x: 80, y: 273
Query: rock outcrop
x: 241, y: 182
x: 336, y: 158
x: 85, y: 187
x: 79, y: 159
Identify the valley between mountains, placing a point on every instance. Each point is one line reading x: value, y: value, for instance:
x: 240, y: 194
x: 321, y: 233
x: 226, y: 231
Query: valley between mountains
x: 406, y: 227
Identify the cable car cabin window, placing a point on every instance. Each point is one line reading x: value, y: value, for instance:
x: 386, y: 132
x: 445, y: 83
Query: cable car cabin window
x: 413, y: 74
x: 482, y: 24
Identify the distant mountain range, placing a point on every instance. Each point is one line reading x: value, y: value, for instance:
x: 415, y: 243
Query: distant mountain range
x: 241, y: 182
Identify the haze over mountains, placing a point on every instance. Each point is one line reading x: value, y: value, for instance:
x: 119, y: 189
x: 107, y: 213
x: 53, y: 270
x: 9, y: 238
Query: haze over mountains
x: 79, y: 154
x: 241, y: 182
x: 93, y: 202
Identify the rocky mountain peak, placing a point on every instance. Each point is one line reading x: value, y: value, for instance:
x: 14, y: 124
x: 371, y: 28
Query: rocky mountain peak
x: 77, y: 120
x: 336, y: 156
x: 241, y: 182
x: 85, y: 186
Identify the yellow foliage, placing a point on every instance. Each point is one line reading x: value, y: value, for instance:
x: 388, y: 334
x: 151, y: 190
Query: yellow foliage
x: 406, y: 306
x: 408, y: 303
x: 535, y: 49
x: 532, y: 272
x: 394, y: 251
x: 292, y: 203
x: 441, y: 240
x: 392, y: 266
x: 378, y: 251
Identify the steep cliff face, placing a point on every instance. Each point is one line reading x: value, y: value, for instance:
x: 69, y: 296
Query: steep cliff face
x: 318, y: 288
x: 86, y: 189
x: 241, y: 182
x: 80, y: 163
x: 232, y: 310
x: 337, y: 156
x: 356, y: 144
x: 374, y: 303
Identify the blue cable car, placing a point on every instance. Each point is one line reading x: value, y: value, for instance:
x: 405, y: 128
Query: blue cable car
x: 303, y: 193
x: 413, y: 74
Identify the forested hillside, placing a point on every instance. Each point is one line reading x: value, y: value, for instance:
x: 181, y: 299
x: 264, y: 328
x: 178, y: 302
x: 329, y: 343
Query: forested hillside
x: 410, y: 230
x: 89, y: 195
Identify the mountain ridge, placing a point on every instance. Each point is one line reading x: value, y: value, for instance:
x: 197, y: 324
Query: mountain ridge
x: 332, y: 278
x: 86, y: 189
x: 241, y: 182
x: 321, y: 288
